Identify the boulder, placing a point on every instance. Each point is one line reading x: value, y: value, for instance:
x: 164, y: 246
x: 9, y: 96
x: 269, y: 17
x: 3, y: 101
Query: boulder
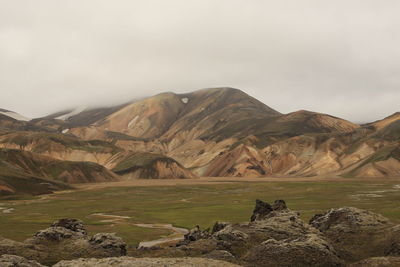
x: 280, y: 225
x: 230, y: 234
x: 56, y: 234
x: 61, y: 229
x: 109, y: 242
x: 65, y: 239
x: 195, y: 234
x: 218, y: 226
x: 348, y: 219
x: 263, y: 209
x: 309, y: 250
x: 358, y: 234
x: 71, y: 224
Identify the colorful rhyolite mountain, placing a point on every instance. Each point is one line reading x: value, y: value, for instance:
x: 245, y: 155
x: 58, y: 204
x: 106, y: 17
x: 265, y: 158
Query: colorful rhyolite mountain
x: 210, y: 132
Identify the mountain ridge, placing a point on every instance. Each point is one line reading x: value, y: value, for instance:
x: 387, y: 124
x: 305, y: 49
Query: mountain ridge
x: 210, y: 132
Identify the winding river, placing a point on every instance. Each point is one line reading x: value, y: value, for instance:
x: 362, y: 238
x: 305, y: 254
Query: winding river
x: 177, y: 234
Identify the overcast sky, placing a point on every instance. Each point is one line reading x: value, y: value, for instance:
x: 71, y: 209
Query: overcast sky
x: 339, y: 57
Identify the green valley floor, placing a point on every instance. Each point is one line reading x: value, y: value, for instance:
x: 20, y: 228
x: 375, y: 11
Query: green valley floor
x: 118, y: 207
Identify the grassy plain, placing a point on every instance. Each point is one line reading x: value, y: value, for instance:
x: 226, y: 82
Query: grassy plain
x: 188, y: 203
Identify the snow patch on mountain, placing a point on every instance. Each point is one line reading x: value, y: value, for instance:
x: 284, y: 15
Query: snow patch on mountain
x: 185, y: 100
x: 133, y: 121
x: 70, y: 114
x: 15, y: 115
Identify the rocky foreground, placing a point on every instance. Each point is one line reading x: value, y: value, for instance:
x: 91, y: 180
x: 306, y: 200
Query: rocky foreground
x: 275, y: 236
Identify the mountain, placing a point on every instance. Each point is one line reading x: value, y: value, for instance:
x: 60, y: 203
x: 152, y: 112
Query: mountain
x: 208, y: 114
x: 210, y: 132
x: 199, y: 114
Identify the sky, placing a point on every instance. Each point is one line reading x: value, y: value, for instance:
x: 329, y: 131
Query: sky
x: 338, y: 57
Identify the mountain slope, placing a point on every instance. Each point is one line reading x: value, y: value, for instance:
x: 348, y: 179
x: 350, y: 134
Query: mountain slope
x: 208, y: 114
x: 377, y: 125
x: 166, y: 115
x: 384, y: 162
x: 59, y: 146
x: 211, y: 132
x: 206, y: 130
x: 287, y: 125
x: 208, y: 111
x: 391, y: 132
x: 150, y: 166
x: 52, y: 169
x: 14, y: 180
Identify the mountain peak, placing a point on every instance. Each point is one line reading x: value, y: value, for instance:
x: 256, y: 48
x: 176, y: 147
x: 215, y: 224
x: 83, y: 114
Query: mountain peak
x: 220, y: 90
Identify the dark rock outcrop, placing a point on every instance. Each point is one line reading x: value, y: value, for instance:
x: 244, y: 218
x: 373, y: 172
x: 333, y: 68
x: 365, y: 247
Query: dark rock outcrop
x: 276, y: 236
x: 218, y: 226
x: 357, y: 234
x: 61, y: 229
x: 65, y: 239
x: 56, y: 234
x: 279, y: 205
x: 195, y: 234
x: 71, y: 224
x: 108, y: 242
x: 310, y: 250
x: 263, y: 209
x: 348, y: 219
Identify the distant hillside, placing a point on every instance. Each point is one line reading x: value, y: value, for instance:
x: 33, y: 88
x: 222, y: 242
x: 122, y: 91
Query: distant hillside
x: 52, y: 169
x: 14, y: 180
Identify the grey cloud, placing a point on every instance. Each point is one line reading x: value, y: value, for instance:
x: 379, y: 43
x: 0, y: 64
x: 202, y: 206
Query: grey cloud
x: 338, y: 57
